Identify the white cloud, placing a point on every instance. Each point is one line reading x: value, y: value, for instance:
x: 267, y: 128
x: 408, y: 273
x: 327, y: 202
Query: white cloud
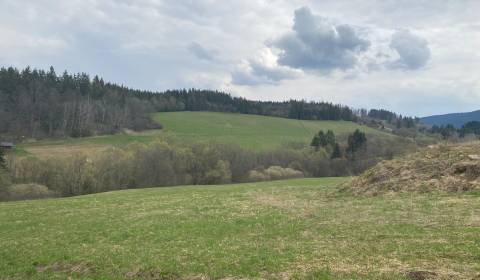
x: 339, y: 51
x: 17, y: 44
x: 263, y: 69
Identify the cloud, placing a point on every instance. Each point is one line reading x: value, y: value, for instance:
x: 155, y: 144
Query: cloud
x: 263, y: 69
x: 413, y: 50
x: 201, y: 52
x: 318, y: 44
x: 18, y: 44
x: 346, y: 55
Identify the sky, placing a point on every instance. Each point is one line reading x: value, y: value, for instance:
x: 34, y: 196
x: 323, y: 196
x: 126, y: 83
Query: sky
x: 414, y: 57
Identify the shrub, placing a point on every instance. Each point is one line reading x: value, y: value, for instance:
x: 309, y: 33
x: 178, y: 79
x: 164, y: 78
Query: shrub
x: 28, y: 191
x: 278, y: 172
x: 4, y: 183
x: 220, y: 174
x: 256, y: 176
x: 166, y: 163
x: 274, y: 173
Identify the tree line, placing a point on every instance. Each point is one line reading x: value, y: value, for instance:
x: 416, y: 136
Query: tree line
x: 39, y: 104
x: 169, y: 163
x: 449, y: 131
x: 397, y: 120
x: 36, y: 103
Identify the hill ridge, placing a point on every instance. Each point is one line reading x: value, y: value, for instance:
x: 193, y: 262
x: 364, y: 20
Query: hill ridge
x: 455, y: 119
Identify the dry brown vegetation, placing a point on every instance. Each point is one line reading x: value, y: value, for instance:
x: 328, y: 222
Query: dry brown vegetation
x: 448, y: 168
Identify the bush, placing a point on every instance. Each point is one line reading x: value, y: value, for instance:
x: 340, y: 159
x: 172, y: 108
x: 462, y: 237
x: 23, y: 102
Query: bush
x: 257, y: 176
x: 274, y: 173
x: 220, y: 174
x: 166, y: 163
x: 28, y: 191
x: 4, y: 183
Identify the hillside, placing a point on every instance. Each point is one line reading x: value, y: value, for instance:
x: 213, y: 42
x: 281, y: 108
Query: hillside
x: 249, y: 131
x: 456, y: 119
x: 295, y: 229
x: 447, y: 168
x: 252, y: 131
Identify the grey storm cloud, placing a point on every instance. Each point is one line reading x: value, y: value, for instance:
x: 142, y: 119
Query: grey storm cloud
x: 413, y: 50
x: 201, y: 52
x: 258, y: 73
x: 317, y: 44
x: 246, y: 78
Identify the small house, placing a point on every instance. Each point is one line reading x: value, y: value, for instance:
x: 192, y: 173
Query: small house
x: 6, y: 145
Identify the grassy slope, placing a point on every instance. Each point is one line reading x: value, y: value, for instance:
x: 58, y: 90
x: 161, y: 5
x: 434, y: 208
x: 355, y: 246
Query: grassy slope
x: 250, y: 131
x: 296, y: 229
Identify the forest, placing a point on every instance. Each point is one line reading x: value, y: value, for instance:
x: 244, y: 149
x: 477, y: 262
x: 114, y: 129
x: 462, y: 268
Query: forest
x: 37, y: 104
x: 471, y: 129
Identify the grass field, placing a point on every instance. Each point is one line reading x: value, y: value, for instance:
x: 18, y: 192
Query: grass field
x: 294, y: 229
x: 249, y: 131
x: 67, y: 146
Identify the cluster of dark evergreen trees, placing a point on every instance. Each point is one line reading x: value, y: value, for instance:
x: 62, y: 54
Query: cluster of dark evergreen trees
x: 36, y: 103
x: 398, y: 121
x: 448, y: 131
x: 356, y: 142
x: 208, y: 100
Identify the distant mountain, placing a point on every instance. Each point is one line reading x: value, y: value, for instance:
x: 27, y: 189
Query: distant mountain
x: 457, y: 119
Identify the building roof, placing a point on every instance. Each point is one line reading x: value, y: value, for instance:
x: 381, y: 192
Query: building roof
x: 7, y: 144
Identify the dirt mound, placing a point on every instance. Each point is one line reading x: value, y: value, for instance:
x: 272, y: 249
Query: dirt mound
x: 449, y: 168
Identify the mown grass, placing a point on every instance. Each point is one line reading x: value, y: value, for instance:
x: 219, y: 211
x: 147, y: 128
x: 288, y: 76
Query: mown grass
x: 294, y: 229
x: 249, y: 131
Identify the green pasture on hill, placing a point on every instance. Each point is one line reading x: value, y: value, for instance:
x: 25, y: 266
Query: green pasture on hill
x: 249, y: 131
x: 252, y: 131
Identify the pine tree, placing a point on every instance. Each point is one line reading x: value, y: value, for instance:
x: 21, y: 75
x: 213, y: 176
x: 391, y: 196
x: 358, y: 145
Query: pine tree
x: 330, y: 138
x: 337, y: 152
x: 356, y: 141
x: 315, y: 142
x: 322, y: 139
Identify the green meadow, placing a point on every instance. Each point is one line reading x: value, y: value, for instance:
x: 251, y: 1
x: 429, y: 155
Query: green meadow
x: 248, y: 131
x: 293, y: 229
x: 252, y: 131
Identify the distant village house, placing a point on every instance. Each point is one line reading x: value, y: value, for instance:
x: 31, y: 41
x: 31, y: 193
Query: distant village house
x: 6, y: 145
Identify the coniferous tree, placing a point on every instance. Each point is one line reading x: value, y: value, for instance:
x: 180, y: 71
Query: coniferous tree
x: 337, y: 151
x: 330, y: 138
x: 315, y: 142
x: 322, y: 139
x: 472, y: 127
x: 356, y: 141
